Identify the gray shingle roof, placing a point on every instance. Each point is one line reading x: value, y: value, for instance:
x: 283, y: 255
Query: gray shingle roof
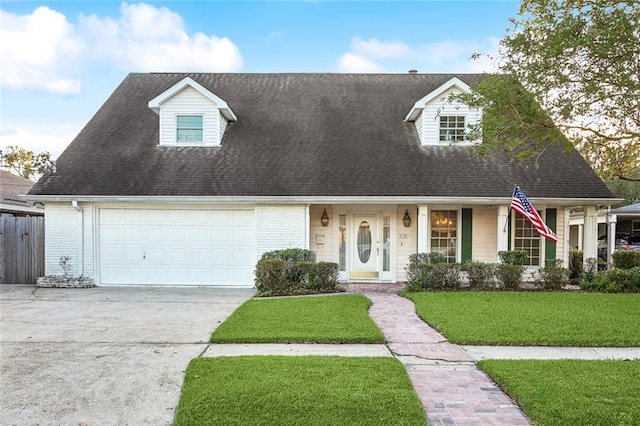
x: 12, y: 187
x: 298, y: 135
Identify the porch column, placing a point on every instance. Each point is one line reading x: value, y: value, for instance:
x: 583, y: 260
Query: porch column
x: 590, y: 237
x: 611, y: 236
x: 423, y: 223
x: 503, y: 229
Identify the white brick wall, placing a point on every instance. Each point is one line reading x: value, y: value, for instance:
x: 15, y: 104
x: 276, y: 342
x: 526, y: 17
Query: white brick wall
x: 61, y: 238
x: 280, y: 227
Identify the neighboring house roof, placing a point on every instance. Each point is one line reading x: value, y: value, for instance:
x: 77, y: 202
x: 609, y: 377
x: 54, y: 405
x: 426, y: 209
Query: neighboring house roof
x: 631, y: 209
x: 11, y: 187
x: 299, y: 135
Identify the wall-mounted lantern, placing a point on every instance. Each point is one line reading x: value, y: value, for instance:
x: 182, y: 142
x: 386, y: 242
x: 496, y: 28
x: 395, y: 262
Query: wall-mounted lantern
x: 406, y: 220
x: 324, y: 219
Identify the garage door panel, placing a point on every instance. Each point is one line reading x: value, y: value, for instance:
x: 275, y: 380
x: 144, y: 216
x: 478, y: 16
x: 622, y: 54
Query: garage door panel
x: 244, y: 218
x: 177, y: 246
x: 135, y: 217
x: 243, y: 237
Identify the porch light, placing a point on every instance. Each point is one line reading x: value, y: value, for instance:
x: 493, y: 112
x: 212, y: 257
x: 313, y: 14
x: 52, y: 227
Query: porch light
x: 406, y: 220
x: 324, y: 219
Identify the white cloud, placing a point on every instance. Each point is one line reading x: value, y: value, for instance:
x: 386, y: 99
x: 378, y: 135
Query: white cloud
x: 147, y: 38
x: 374, y: 48
x: 350, y: 62
x: 373, y: 55
x: 44, y: 51
x: 38, y: 51
x: 38, y: 139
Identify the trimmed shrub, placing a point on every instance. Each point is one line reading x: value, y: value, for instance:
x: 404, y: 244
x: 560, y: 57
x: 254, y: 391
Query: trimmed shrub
x: 481, y: 275
x: 325, y: 277
x: 625, y: 280
x: 271, y: 277
x: 513, y: 257
x: 553, y: 276
x: 614, y: 281
x: 290, y: 272
x: 293, y: 255
x: 435, y: 258
x: 510, y: 276
x: 422, y: 274
x: 626, y: 259
x: 575, y: 264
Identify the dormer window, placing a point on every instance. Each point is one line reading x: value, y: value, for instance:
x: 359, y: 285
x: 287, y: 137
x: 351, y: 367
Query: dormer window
x: 440, y: 119
x: 191, y: 115
x: 189, y: 129
x: 452, y: 128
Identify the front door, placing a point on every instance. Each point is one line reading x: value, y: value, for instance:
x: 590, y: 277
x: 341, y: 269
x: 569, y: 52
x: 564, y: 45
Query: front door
x: 365, y: 248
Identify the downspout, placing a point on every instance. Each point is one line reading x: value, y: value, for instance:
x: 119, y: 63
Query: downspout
x: 80, y: 220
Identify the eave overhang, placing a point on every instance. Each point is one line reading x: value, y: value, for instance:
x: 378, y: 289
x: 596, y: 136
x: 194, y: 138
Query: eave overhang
x: 224, y: 108
x: 488, y: 201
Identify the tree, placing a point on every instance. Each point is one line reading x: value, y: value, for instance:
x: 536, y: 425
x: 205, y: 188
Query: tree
x: 580, y: 61
x: 25, y: 163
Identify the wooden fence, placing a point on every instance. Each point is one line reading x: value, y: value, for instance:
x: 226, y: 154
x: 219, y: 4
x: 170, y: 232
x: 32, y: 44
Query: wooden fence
x: 21, y: 249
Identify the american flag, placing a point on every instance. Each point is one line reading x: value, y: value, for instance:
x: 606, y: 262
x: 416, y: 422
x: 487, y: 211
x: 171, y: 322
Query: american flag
x: 521, y: 204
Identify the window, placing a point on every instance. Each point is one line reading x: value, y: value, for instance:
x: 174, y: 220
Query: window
x: 386, y: 243
x: 526, y: 238
x: 342, y: 242
x: 189, y: 129
x: 452, y: 128
x: 444, y: 233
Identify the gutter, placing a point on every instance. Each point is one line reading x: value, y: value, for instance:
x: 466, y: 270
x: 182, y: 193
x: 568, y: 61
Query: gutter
x: 80, y: 222
x: 565, y: 202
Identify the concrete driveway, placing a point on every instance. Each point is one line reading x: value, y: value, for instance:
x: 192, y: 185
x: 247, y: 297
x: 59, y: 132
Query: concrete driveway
x: 102, y: 356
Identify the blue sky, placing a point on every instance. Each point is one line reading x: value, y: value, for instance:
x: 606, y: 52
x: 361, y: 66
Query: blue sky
x: 61, y: 60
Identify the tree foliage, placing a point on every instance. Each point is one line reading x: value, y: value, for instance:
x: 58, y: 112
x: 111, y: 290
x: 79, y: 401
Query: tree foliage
x: 580, y: 61
x: 24, y: 162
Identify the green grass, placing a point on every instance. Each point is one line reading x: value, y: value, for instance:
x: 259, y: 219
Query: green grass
x: 519, y: 318
x: 318, y: 319
x: 571, y: 392
x: 308, y: 391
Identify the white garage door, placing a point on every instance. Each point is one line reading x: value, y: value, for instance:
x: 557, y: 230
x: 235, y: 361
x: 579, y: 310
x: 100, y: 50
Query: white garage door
x: 177, y: 246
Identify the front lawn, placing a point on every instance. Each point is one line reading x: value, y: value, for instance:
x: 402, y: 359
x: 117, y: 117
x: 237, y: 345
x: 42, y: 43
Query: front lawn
x: 519, y: 318
x: 309, y: 391
x: 571, y: 392
x: 317, y: 319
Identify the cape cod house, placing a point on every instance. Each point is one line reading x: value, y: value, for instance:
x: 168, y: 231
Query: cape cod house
x: 187, y: 179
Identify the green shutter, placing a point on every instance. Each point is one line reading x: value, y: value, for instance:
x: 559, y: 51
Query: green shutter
x: 509, y: 229
x: 467, y: 235
x: 551, y: 221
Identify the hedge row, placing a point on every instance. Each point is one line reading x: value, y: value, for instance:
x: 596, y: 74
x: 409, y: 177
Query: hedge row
x: 294, y: 271
x: 426, y: 271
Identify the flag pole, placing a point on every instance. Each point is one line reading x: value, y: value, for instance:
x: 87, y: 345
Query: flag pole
x: 506, y: 222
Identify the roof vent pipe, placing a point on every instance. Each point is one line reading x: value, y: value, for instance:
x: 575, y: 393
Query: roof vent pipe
x: 80, y: 225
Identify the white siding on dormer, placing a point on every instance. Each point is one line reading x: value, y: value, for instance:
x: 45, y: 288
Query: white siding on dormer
x: 441, y: 105
x: 223, y: 127
x: 189, y: 102
x: 419, y: 127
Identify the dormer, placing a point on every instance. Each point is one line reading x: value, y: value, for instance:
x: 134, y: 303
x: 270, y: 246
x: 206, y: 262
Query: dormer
x: 440, y: 120
x: 191, y: 115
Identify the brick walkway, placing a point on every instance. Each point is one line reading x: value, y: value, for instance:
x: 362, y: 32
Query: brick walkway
x: 452, y: 390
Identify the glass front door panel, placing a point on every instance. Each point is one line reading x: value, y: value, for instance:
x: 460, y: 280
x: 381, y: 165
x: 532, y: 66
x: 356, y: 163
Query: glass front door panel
x: 364, y: 242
